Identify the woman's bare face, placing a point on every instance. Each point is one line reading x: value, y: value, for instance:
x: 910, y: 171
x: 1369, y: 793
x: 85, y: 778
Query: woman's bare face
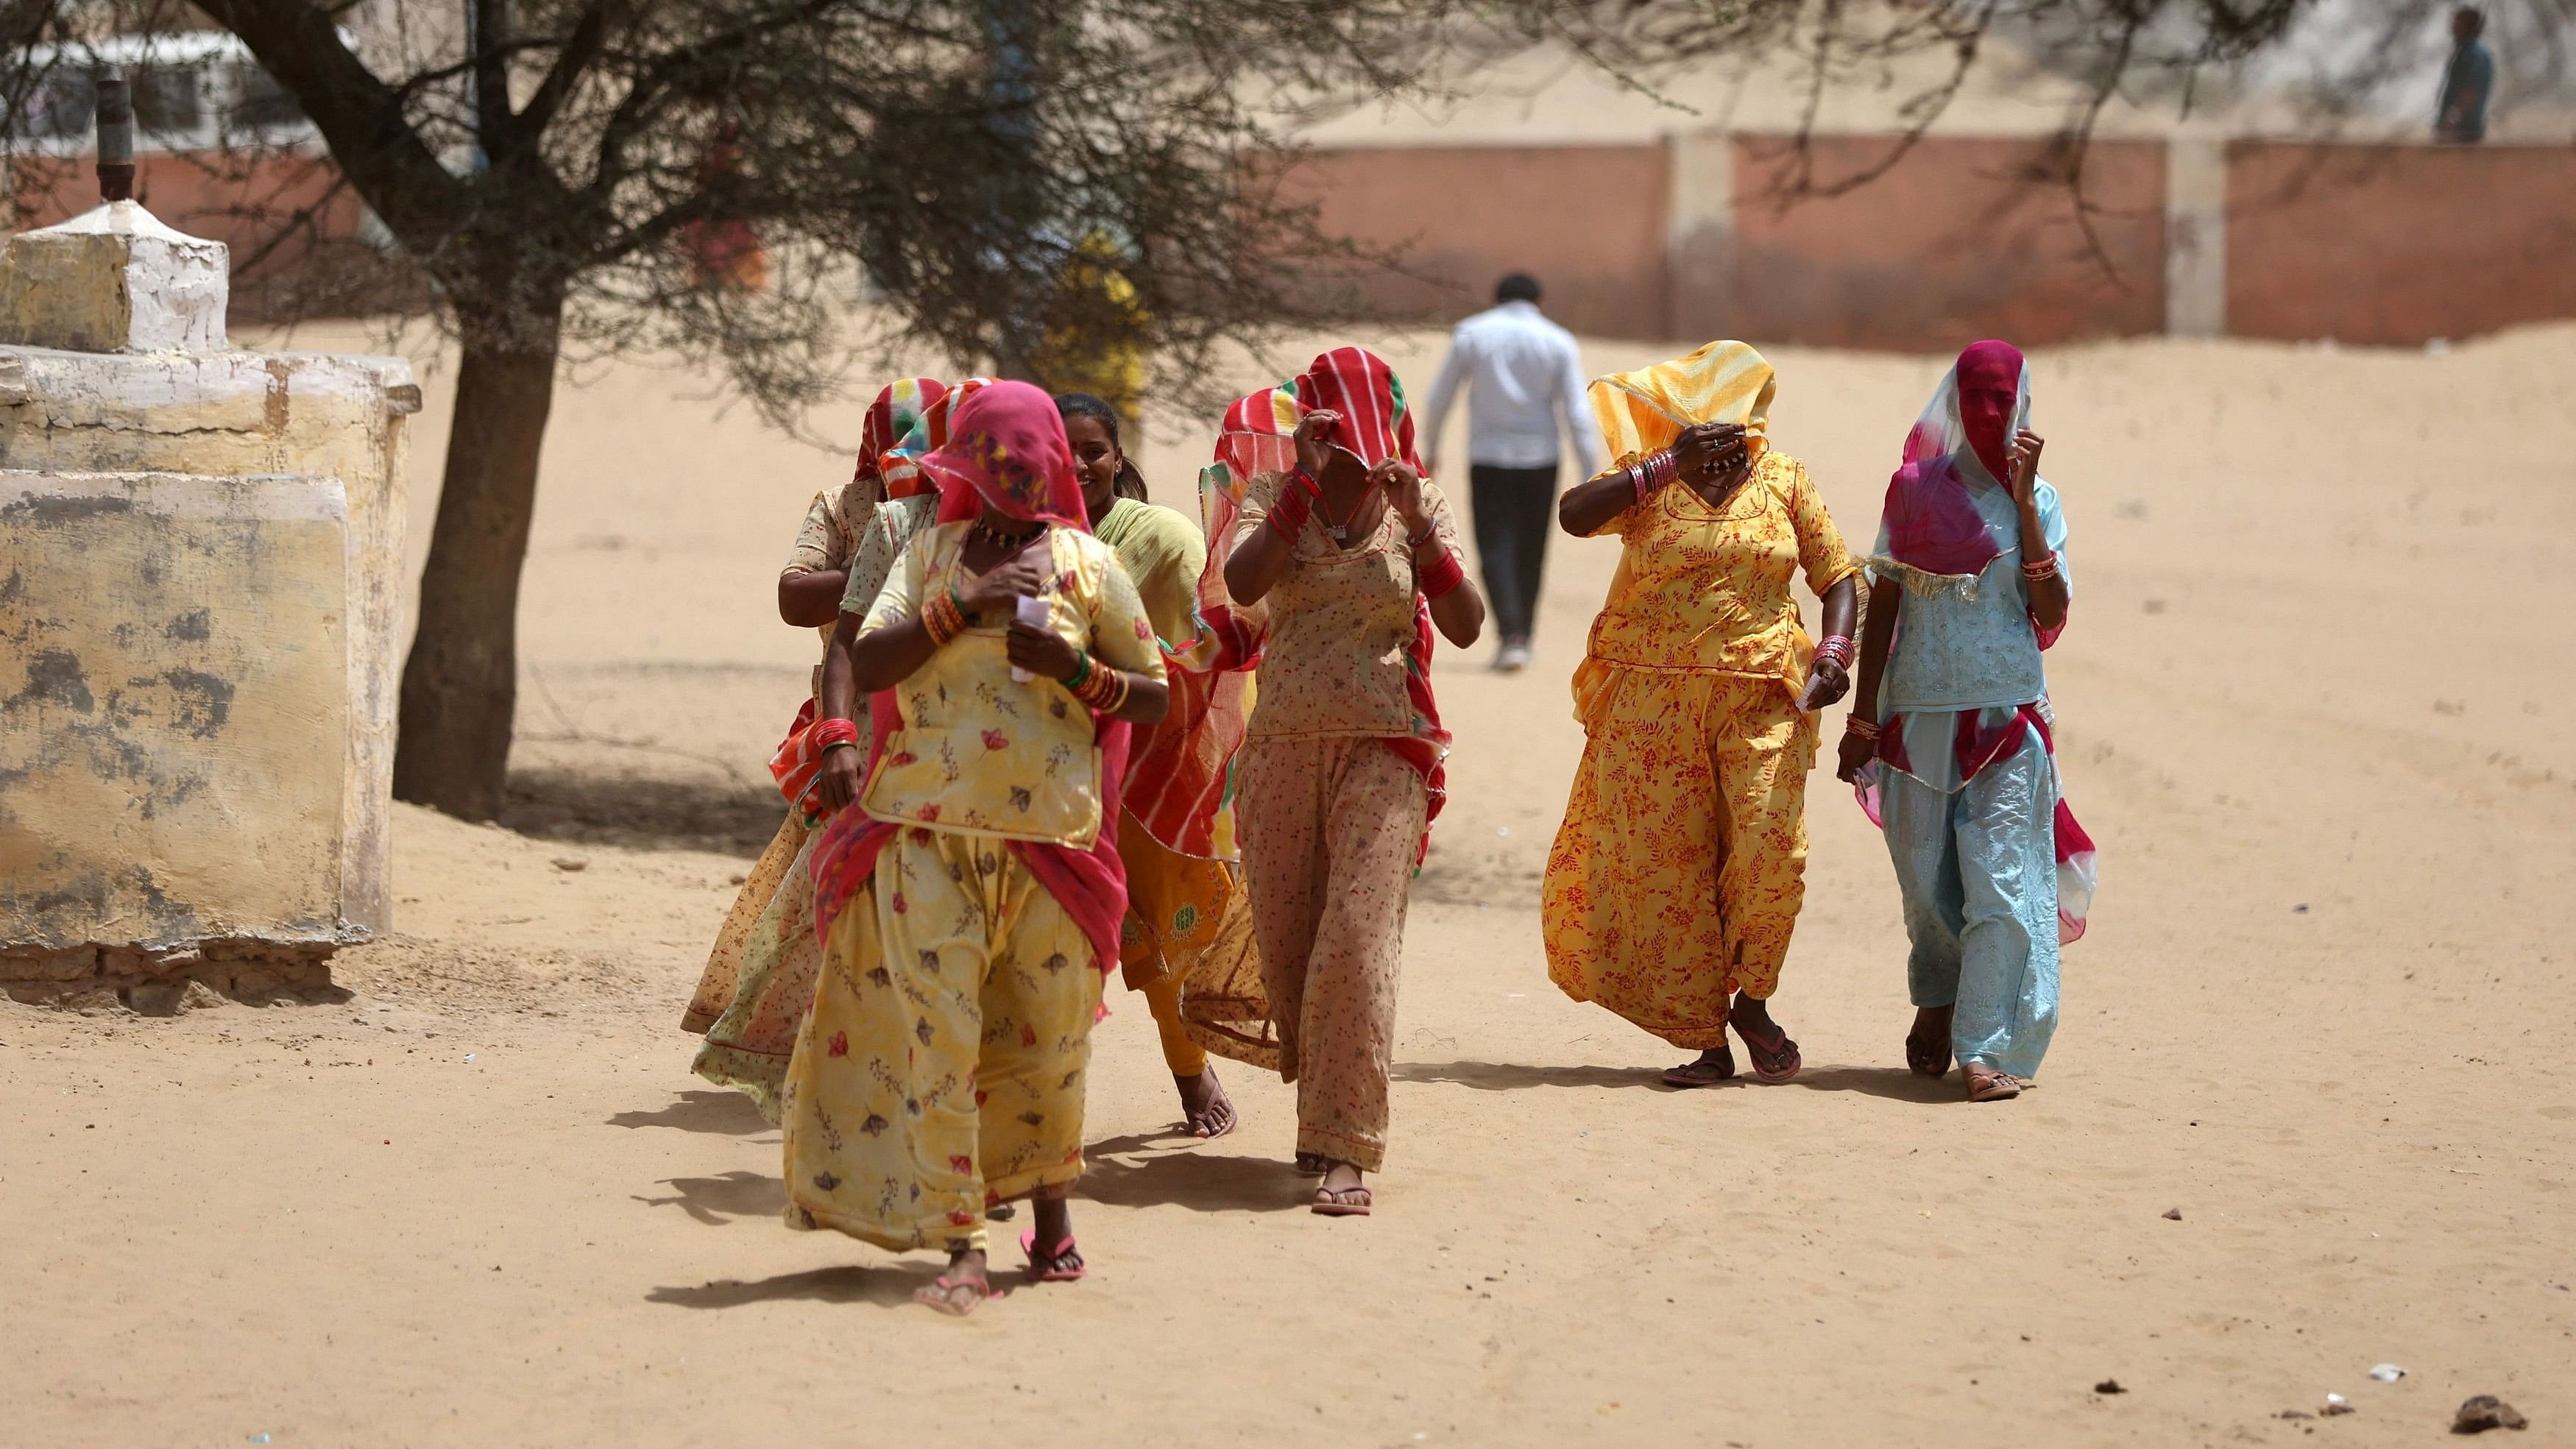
x: 1095, y: 463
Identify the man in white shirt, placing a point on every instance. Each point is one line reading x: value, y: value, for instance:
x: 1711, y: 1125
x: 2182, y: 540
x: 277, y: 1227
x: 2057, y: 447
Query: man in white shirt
x: 1525, y: 378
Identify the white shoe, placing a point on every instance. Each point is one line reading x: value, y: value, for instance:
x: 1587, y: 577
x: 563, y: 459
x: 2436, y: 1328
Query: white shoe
x: 1512, y: 659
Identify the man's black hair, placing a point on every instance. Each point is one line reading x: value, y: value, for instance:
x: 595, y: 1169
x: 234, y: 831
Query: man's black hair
x: 1516, y: 287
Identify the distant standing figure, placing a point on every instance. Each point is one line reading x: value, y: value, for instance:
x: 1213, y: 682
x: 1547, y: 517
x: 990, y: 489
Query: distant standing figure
x: 1527, y: 380
x: 2468, y: 82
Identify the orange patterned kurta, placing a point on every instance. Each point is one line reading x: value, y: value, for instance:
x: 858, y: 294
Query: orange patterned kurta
x: 1676, y: 878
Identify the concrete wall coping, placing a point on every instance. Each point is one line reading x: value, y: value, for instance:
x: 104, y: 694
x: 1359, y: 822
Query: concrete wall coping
x: 153, y: 379
x: 309, y: 497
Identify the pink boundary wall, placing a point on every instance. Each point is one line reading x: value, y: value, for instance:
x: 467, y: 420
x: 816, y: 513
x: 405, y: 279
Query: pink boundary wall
x: 1964, y: 237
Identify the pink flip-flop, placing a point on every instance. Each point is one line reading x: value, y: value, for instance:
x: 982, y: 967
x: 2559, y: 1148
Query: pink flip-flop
x: 1060, y: 1264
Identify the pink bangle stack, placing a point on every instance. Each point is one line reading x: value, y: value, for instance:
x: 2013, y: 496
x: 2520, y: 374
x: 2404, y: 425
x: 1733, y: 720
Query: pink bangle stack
x: 1838, y: 648
x: 1652, y: 472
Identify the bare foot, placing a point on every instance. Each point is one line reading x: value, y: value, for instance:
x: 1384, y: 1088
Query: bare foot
x: 1340, y: 1195
x: 1205, y: 1109
x: 1775, y: 1057
x: 1927, y: 1046
x: 1709, y: 1068
x: 962, y: 1289
x: 1985, y: 1084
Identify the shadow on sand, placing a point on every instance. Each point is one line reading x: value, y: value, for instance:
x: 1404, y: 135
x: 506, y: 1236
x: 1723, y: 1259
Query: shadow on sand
x: 641, y: 812
x: 1513, y: 1076
x: 888, y: 1286
x: 1893, y: 1083
x: 1154, y: 1169
x: 1896, y: 1084
x: 718, y: 1200
x: 728, y: 1114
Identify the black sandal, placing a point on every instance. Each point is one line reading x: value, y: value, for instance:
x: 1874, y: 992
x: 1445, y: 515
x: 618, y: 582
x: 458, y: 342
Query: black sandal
x: 1709, y: 1068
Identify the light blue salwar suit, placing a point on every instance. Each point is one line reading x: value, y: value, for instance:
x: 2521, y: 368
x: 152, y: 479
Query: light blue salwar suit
x: 1976, y: 860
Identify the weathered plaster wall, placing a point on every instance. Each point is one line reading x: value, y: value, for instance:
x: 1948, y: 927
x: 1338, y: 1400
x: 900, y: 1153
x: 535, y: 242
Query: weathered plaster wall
x: 171, y: 649
x: 242, y: 414
x: 114, y: 279
x: 198, y: 549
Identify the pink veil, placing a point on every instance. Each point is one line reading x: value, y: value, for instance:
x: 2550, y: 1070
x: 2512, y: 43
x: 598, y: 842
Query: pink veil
x: 1930, y: 533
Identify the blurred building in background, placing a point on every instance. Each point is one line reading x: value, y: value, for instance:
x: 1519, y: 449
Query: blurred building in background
x: 1728, y: 201
x: 1698, y: 211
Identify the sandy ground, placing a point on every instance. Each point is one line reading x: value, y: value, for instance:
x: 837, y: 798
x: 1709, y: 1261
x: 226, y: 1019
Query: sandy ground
x: 2313, y: 705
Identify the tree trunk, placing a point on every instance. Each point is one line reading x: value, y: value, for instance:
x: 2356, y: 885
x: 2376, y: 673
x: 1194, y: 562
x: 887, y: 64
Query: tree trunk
x: 460, y: 686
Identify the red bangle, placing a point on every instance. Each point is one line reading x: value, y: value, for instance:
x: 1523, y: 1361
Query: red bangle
x: 830, y: 732
x: 944, y: 619
x: 1102, y: 688
x: 1443, y: 574
x: 1296, y: 500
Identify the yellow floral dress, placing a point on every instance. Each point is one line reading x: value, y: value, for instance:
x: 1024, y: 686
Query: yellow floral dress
x: 828, y: 539
x: 1676, y: 878
x: 770, y: 961
x: 943, y: 1063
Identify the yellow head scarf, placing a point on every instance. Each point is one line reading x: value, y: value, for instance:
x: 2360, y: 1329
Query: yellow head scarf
x: 1644, y: 411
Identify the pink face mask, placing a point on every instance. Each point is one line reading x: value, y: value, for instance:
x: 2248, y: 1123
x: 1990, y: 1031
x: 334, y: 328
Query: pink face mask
x: 1989, y: 386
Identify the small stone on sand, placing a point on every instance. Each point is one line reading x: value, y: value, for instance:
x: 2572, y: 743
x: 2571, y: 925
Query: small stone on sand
x: 2173, y: 1215
x: 571, y: 862
x: 2109, y: 1386
x: 2485, y: 1412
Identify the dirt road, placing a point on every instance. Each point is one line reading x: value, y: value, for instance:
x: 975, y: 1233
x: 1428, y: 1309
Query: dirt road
x: 2315, y: 705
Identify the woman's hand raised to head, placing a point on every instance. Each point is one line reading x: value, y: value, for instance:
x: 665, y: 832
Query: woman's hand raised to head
x: 1711, y: 452
x: 1314, y: 438
x: 2025, y: 467
x: 1402, y: 487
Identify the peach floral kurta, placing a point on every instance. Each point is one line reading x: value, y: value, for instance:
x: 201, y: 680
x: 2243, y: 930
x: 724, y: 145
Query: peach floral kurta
x: 1332, y: 817
x: 1676, y: 878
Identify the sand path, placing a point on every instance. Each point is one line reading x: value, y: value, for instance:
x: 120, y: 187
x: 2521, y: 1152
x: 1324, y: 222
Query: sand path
x: 2314, y: 702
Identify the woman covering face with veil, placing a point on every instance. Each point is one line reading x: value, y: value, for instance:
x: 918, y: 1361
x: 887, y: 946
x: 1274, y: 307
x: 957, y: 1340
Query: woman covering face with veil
x: 1951, y: 739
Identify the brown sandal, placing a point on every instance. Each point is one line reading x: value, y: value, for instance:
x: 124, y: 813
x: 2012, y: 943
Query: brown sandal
x: 1774, y: 1061
x: 1214, y: 1117
x: 1985, y: 1084
x: 1342, y: 1202
x: 1709, y: 1068
x: 1353, y: 1201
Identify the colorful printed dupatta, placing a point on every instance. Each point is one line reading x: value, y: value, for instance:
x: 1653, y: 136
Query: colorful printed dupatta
x: 928, y: 431
x: 1645, y: 411
x: 1258, y: 436
x: 899, y: 408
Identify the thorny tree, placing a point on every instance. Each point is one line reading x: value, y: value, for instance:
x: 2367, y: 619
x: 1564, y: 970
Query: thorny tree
x: 542, y: 166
